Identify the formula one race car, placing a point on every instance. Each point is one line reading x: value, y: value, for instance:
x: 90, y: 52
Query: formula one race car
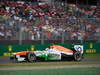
x: 55, y: 52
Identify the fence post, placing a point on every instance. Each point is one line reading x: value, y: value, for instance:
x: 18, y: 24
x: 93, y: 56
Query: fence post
x: 42, y: 37
x: 20, y: 36
x: 62, y: 41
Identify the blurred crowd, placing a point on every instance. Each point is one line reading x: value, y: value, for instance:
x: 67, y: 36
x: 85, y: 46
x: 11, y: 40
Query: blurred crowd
x: 48, y: 21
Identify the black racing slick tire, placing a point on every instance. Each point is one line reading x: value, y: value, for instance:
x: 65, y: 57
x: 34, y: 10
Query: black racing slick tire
x: 77, y: 56
x: 31, y: 57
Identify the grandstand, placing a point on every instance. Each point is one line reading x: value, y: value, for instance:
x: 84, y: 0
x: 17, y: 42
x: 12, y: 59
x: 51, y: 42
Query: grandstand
x: 49, y: 21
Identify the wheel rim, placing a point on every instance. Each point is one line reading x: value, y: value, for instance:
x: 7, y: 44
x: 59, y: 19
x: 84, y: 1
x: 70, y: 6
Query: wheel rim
x: 32, y: 57
x: 77, y: 56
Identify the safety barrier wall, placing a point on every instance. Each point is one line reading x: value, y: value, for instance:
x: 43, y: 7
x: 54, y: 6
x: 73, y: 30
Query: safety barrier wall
x: 8, y: 49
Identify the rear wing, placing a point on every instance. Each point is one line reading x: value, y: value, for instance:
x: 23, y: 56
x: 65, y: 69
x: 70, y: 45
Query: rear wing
x: 79, y: 48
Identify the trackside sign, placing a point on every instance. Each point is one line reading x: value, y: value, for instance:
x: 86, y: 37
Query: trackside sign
x: 89, y: 48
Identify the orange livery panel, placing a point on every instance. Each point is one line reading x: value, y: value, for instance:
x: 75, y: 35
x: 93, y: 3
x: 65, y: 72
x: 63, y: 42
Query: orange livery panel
x: 22, y: 53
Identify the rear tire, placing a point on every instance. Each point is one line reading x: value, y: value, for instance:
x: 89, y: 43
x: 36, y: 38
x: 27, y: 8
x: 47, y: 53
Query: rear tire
x: 77, y: 56
x: 31, y: 57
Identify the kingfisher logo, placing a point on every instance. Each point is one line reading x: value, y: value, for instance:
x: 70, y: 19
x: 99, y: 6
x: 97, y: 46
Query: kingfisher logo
x: 91, y: 49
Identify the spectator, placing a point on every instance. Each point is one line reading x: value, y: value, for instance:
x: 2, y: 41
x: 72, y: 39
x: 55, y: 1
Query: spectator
x: 76, y: 22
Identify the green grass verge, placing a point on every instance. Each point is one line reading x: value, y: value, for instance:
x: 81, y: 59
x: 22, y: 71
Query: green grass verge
x: 64, y: 71
x: 40, y: 64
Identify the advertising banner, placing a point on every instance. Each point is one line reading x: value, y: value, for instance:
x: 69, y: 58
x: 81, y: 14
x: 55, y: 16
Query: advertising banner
x: 88, y: 48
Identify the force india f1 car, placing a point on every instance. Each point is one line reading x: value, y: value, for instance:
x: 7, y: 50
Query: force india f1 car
x: 55, y: 52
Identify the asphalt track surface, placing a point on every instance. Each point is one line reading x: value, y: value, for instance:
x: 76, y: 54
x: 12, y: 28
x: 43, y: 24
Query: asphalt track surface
x: 6, y: 60
x: 6, y: 64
